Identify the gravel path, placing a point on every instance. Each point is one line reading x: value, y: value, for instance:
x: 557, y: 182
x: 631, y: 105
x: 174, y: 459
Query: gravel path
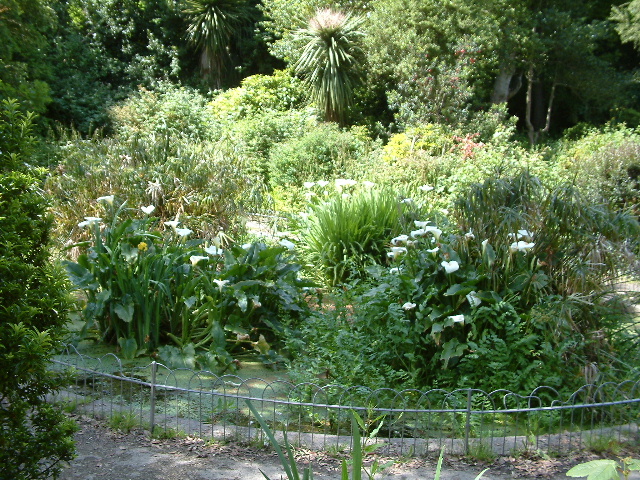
x: 110, y: 455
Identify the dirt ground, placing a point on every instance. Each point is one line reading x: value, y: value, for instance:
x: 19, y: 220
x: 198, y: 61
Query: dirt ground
x: 111, y: 455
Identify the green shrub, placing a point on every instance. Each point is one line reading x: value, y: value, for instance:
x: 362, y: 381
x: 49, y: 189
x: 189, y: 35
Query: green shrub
x: 604, y: 165
x: 16, y: 135
x: 513, y: 288
x: 167, y: 112
x: 35, y: 437
x: 146, y: 288
x: 349, y: 231
x: 257, y: 95
x: 324, y: 152
x: 203, y: 182
x: 254, y: 137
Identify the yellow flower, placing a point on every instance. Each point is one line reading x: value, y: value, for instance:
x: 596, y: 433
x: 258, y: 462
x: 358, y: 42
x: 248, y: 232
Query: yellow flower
x: 143, y: 247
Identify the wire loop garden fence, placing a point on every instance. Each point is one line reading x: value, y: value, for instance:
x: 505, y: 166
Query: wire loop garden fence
x: 409, y: 422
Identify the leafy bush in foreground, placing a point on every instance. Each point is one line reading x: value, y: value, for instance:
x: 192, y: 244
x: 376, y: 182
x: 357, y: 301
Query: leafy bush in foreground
x: 35, y: 437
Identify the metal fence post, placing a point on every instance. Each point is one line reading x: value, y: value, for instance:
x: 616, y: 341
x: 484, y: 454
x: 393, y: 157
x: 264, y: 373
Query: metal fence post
x: 152, y: 400
x: 467, y: 425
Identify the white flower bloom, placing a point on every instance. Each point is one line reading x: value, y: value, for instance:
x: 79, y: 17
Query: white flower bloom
x: 469, y: 235
x: 368, y: 184
x: 407, y: 200
x: 484, y: 242
x: 433, y: 250
x: 435, y: 230
x: 220, y: 283
x: 183, y: 232
x: 148, y: 210
x: 196, y: 258
x: 399, y: 239
x: 524, y: 234
x: 521, y: 246
x: 322, y: 183
x: 457, y: 318
x: 420, y: 224
x: 472, y: 298
x: 108, y: 198
x: 172, y: 224
x: 308, y: 195
x: 394, y: 271
x: 425, y: 188
x: 451, y: 266
x: 308, y: 184
x: 287, y: 244
x: 396, y: 252
x: 421, y: 232
x: 409, y: 306
x: 213, y: 250
x: 89, y: 221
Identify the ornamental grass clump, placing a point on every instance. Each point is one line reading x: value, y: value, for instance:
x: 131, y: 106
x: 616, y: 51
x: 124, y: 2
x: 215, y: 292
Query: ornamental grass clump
x: 349, y: 231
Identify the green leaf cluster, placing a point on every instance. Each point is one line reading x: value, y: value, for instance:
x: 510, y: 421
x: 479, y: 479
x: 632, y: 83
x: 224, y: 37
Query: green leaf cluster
x: 146, y: 288
x: 35, y: 437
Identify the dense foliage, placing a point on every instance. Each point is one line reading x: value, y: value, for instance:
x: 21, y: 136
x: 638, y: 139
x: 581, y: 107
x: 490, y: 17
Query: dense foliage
x: 35, y: 438
x: 149, y: 285
x: 460, y: 179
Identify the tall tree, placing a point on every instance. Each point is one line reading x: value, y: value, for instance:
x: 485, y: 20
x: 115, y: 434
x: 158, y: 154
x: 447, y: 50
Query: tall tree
x: 627, y: 19
x: 213, y: 24
x: 553, y: 47
x: 24, y: 71
x: 331, y: 60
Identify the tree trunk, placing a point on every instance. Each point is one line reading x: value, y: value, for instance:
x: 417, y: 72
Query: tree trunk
x: 533, y: 135
x: 505, y: 86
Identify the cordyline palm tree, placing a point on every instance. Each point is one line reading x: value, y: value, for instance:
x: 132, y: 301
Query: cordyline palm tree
x: 331, y: 60
x: 212, y: 25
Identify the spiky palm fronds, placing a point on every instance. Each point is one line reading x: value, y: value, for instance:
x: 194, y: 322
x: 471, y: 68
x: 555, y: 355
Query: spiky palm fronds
x: 331, y: 60
x: 212, y: 25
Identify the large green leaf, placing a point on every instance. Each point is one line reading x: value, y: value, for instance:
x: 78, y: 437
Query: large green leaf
x: 125, y: 309
x: 596, y: 470
x: 80, y: 276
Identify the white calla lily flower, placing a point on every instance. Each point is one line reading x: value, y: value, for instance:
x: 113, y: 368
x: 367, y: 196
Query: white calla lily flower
x: 473, y: 299
x: 399, y: 239
x: 107, y: 198
x: 396, y: 252
x: 89, y: 221
x: 287, y: 244
x: 451, y: 266
x: 220, y: 283
x: 521, y: 246
x: 197, y: 258
x: 213, y: 250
